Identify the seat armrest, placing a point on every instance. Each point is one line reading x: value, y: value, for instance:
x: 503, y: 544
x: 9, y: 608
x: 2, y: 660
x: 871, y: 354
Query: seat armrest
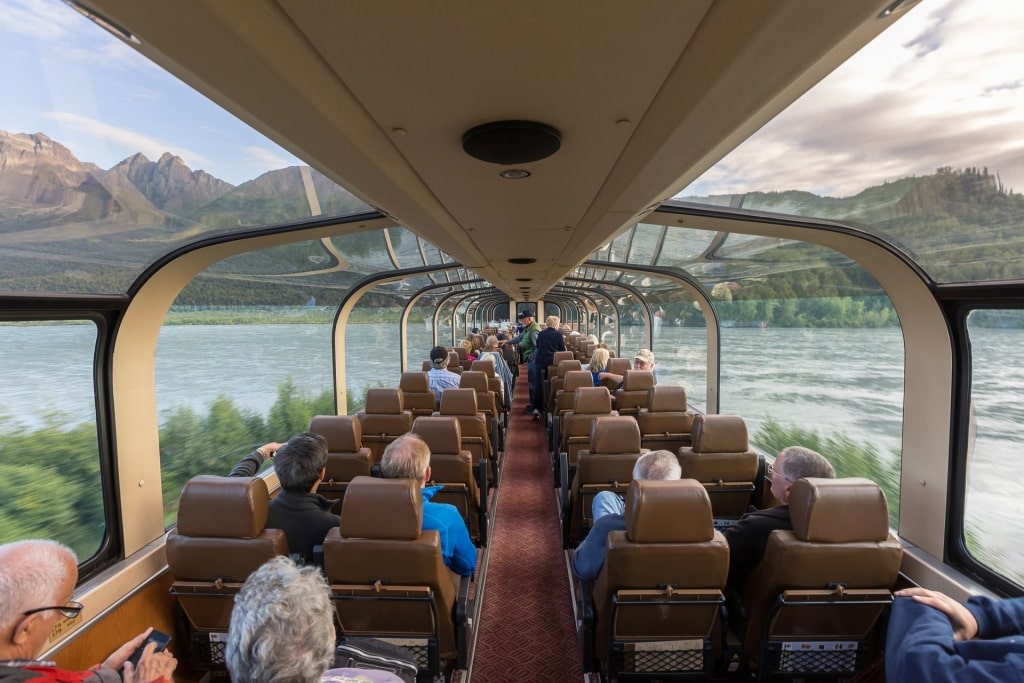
x: 463, y: 624
x: 588, y: 626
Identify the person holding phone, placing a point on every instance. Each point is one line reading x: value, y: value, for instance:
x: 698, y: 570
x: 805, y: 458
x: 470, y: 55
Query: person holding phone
x: 37, y: 582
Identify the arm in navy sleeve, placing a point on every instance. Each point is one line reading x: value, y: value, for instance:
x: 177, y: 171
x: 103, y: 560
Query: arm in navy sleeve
x: 248, y: 466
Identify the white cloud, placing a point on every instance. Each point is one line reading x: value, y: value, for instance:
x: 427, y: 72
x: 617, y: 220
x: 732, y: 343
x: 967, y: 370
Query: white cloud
x: 268, y: 159
x: 130, y: 141
x: 941, y: 87
x: 40, y: 19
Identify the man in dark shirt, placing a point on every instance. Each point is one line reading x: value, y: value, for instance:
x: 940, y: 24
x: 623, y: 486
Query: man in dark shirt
x: 548, y: 341
x: 298, y: 510
x: 748, y: 537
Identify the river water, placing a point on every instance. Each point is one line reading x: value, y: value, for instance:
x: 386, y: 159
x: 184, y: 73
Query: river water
x: 834, y: 381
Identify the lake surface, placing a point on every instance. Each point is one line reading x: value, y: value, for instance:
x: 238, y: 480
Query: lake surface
x: 847, y: 381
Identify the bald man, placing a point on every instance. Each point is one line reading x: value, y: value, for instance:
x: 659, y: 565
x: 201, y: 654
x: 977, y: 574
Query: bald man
x: 37, y: 582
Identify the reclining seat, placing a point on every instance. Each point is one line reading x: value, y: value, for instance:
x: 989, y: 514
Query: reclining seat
x: 589, y: 403
x: 552, y: 376
x: 556, y: 383
x: 606, y: 466
x: 453, y: 362
x: 666, y: 423
x: 452, y: 467
x: 347, y: 458
x: 502, y: 394
x: 383, y: 419
x: 572, y: 378
x: 657, y: 603
x: 485, y: 403
x: 816, y: 599
x: 721, y: 459
x: 461, y: 404
x: 220, y: 539
x: 417, y: 397
x: 388, y: 578
x: 634, y: 392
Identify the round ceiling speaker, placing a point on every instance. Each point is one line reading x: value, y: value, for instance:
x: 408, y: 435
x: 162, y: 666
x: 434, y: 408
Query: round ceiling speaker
x: 511, y: 142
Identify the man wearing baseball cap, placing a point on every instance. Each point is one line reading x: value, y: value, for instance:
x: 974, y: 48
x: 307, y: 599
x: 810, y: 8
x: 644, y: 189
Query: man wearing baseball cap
x: 643, y: 360
x: 527, y: 340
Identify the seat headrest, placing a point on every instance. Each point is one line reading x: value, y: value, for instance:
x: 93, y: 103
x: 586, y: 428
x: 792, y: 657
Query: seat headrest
x: 384, y: 401
x: 560, y: 356
x: 484, y: 365
x: 592, y: 401
x: 677, y: 511
x: 847, y: 510
x: 343, y: 433
x: 223, y: 507
x: 666, y: 399
x: 458, y: 401
x: 475, y: 380
x: 719, y: 434
x: 442, y: 434
x: 418, y: 382
x: 614, y: 435
x: 618, y: 366
x: 637, y: 380
x: 383, y: 509
x: 453, y: 358
x: 567, y: 366
x: 575, y: 379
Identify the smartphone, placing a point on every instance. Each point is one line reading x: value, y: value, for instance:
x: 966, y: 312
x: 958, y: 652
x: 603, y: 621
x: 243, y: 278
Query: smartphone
x: 160, y: 638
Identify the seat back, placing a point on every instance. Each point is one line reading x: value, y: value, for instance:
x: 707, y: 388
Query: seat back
x: 219, y: 540
x: 662, y: 579
x: 485, y: 399
x: 588, y: 404
x: 556, y: 384
x: 619, y: 366
x: 454, y: 364
x: 461, y: 403
x: 451, y: 466
x: 635, y: 391
x: 388, y: 578
x: 666, y: 423
x: 383, y: 419
x: 607, y: 465
x: 829, y: 579
x: 416, y: 394
x: 347, y: 458
x: 720, y: 458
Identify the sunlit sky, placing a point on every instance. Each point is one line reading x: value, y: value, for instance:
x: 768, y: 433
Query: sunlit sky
x: 943, y: 87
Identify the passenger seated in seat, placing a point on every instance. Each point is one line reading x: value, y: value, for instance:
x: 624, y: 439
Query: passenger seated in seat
x: 37, y: 582
x: 282, y: 629
x: 932, y: 637
x: 609, y: 516
x: 440, y: 376
x: 298, y: 510
x: 501, y: 368
x: 408, y: 457
x: 748, y: 537
x: 643, y: 360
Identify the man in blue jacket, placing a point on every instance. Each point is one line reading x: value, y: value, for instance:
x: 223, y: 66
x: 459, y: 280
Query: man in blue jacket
x: 932, y: 637
x: 408, y: 457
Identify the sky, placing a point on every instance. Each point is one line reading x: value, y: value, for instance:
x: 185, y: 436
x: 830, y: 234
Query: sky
x: 944, y: 86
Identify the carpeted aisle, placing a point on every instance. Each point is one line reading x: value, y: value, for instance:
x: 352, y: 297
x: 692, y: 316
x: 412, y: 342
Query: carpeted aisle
x: 527, y: 630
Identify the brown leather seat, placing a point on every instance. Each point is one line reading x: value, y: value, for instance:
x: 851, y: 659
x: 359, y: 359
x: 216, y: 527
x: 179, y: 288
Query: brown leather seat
x: 826, y: 581
x: 606, y: 466
x: 556, y: 382
x: 384, y: 419
x: 565, y: 397
x: 347, y: 458
x: 461, y: 404
x: 634, y: 392
x: 451, y: 466
x: 486, y: 403
x: 659, y: 594
x: 416, y: 394
x: 619, y: 366
x: 388, y: 578
x: 219, y: 540
x: 589, y: 403
x: 721, y: 459
x: 666, y: 423
x: 454, y: 361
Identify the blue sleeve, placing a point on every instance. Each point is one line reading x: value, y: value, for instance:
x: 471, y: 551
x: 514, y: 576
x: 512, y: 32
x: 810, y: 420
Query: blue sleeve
x: 463, y: 551
x: 997, y: 618
x: 588, y: 557
x: 920, y: 647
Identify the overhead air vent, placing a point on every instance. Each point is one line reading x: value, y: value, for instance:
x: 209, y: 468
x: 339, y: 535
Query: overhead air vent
x: 511, y: 142
x: 522, y: 261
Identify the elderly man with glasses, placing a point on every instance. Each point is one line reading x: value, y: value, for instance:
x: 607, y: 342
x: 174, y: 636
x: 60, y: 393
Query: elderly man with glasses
x: 37, y: 580
x: 748, y: 537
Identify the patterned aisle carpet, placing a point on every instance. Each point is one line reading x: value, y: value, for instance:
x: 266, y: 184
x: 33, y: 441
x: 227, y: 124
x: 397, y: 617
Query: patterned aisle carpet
x: 527, y: 630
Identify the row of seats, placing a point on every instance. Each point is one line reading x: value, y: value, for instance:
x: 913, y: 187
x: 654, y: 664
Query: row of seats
x: 814, y: 606
x: 387, y: 577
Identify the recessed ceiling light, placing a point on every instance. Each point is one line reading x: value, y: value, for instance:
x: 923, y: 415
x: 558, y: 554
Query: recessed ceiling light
x: 522, y: 261
x: 524, y: 279
x: 514, y: 173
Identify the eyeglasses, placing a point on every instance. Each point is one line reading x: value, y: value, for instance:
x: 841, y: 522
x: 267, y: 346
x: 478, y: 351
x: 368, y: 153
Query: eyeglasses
x: 70, y: 610
x: 771, y: 470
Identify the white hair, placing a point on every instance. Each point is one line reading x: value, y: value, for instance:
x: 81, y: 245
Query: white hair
x: 282, y: 626
x: 32, y: 573
x: 658, y: 466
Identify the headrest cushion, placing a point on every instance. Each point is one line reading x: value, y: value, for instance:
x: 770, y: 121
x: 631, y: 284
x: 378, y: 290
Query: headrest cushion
x: 719, y: 434
x: 458, y: 401
x: 637, y: 380
x: 473, y: 380
x: 414, y: 381
x: 677, y: 511
x: 484, y: 365
x: 223, y: 507
x: 666, y: 399
x: 574, y: 379
x: 384, y: 401
x: 566, y: 366
x: 442, y: 434
x: 847, y: 510
x: 344, y: 434
x: 614, y: 435
x: 384, y: 509
x: 592, y: 401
